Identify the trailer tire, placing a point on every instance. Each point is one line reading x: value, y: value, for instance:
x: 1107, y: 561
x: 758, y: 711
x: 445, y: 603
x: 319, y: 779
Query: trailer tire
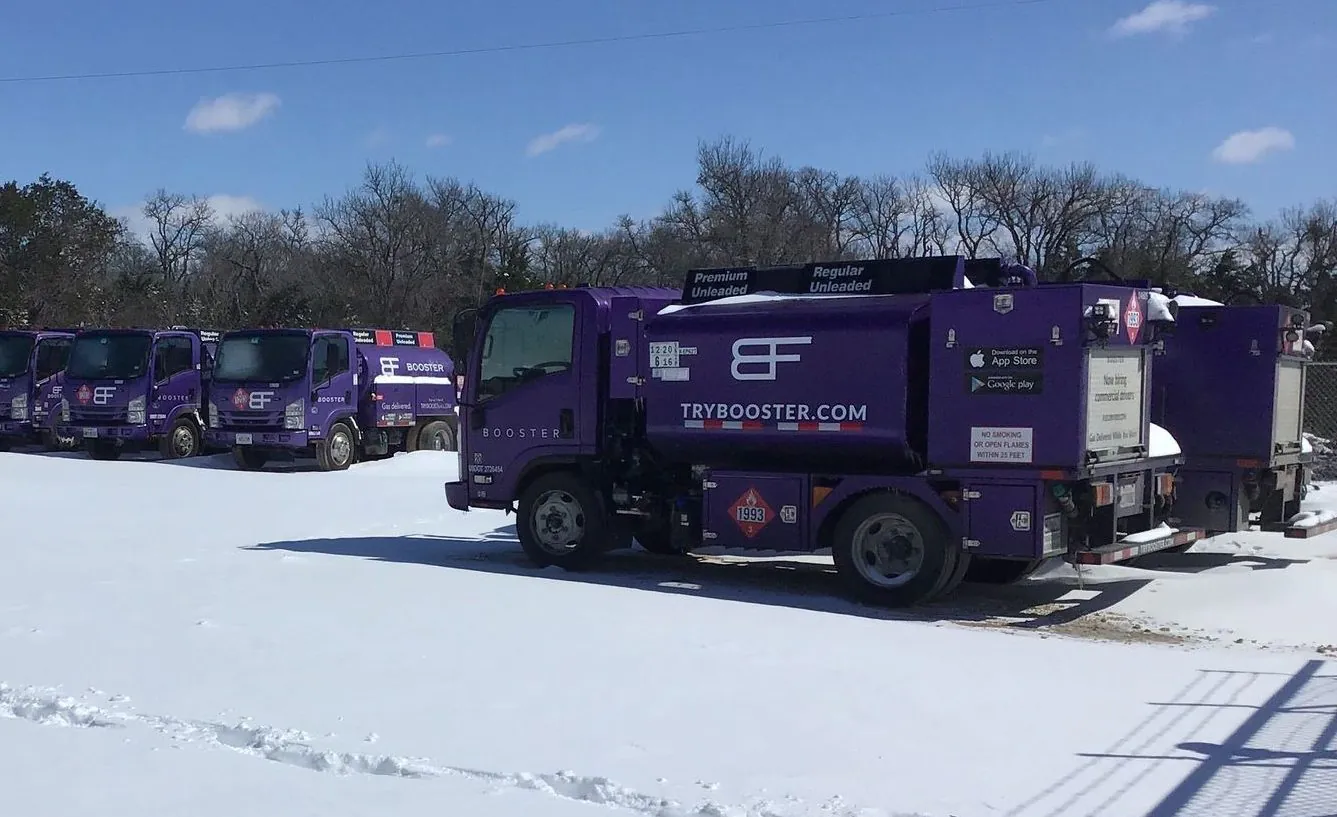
x: 182, y: 440
x: 248, y: 459
x: 562, y: 521
x: 338, y: 450
x: 436, y: 431
x: 920, y: 537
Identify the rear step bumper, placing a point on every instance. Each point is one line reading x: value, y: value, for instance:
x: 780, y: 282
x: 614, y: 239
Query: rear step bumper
x: 1125, y: 550
x: 1294, y: 531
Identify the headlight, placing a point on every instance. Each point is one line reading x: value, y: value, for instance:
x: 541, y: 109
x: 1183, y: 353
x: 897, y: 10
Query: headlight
x: 18, y: 407
x: 294, y: 416
x: 64, y: 410
x: 213, y: 416
x: 134, y: 413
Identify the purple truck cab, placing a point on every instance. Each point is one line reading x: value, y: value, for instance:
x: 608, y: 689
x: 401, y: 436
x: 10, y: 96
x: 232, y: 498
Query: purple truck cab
x: 32, y: 365
x: 130, y: 390
x: 333, y: 394
x: 923, y: 429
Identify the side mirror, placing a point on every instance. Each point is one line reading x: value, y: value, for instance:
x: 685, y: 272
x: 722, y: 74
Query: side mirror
x: 463, y: 329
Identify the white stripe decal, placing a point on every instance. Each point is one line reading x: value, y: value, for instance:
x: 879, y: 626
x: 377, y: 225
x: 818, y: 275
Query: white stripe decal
x: 420, y: 380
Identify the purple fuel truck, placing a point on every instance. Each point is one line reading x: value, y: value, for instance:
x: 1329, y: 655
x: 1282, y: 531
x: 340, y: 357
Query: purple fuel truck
x: 333, y: 394
x: 137, y: 389
x: 916, y: 425
x: 1229, y: 383
x: 32, y: 363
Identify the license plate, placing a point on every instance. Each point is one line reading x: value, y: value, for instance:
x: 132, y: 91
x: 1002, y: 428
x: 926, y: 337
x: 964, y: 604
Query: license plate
x: 243, y: 439
x: 90, y: 432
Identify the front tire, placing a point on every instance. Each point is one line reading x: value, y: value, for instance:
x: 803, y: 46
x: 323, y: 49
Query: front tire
x: 562, y: 522
x: 891, y: 550
x: 181, y: 441
x: 338, y: 450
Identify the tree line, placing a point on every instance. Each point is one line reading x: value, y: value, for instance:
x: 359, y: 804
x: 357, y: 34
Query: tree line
x: 397, y: 252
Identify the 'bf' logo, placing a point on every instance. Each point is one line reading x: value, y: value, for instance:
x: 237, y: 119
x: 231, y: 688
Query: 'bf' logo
x: 767, y: 359
x: 255, y: 401
x: 102, y: 395
x: 389, y: 366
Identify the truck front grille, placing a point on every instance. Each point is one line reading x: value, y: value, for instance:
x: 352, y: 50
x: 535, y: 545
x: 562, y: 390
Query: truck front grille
x: 102, y: 416
x: 252, y: 420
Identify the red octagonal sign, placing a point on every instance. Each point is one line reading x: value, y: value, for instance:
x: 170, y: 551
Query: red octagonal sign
x: 751, y: 513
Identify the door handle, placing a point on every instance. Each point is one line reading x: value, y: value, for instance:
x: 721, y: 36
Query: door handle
x: 566, y: 423
x: 348, y: 396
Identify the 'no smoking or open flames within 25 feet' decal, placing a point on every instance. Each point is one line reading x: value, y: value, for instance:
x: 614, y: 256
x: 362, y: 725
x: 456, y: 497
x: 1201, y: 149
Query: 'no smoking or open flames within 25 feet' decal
x: 751, y: 513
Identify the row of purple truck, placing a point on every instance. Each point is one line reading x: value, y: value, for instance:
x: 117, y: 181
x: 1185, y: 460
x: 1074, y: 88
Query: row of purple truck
x: 265, y: 394
x: 929, y: 420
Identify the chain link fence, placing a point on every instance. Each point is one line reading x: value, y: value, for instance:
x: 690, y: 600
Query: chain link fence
x: 1321, y: 399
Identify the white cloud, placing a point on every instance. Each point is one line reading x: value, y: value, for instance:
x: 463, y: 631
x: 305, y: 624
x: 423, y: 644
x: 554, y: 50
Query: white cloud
x: 438, y: 140
x: 1170, y: 16
x: 230, y: 112
x: 224, y: 207
x: 1248, y: 146
x: 567, y: 135
x: 378, y: 137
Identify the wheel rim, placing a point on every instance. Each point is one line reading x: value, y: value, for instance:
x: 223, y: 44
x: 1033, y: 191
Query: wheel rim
x: 183, y: 442
x: 888, y: 550
x: 437, y: 442
x: 341, y: 448
x: 558, y: 522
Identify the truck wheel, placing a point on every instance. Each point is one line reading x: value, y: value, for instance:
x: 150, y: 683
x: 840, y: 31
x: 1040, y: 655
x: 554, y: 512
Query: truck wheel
x: 337, y: 451
x: 561, y: 521
x: 182, y: 440
x: 248, y: 459
x: 891, y: 550
x: 436, y: 436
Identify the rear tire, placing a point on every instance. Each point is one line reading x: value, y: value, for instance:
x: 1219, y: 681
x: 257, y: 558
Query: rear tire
x: 561, y: 521
x: 891, y: 550
x: 338, y: 450
x: 436, y: 436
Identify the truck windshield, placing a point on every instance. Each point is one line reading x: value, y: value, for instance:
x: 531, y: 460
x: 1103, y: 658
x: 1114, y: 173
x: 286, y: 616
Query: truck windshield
x: 267, y: 357
x: 109, y: 356
x: 15, y: 352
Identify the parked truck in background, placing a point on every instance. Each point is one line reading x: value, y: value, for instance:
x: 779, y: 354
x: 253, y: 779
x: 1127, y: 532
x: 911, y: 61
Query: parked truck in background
x: 137, y: 389
x: 331, y: 394
x: 883, y: 409
x: 32, y: 363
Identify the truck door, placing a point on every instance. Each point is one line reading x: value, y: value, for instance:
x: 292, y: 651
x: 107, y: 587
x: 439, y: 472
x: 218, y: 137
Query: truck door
x: 522, y: 394
x: 332, y: 391
x: 176, y: 380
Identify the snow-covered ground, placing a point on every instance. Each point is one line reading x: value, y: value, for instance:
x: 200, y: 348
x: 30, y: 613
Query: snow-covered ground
x: 165, y: 629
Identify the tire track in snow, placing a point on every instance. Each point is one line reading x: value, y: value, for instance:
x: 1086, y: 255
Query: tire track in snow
x: 292, y: 747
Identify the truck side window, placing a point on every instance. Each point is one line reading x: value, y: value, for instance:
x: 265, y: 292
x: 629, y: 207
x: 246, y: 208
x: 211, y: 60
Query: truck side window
x: 524, y: 343
x: 171, y: 357
x: 329, y: 357
x: 52, y: 355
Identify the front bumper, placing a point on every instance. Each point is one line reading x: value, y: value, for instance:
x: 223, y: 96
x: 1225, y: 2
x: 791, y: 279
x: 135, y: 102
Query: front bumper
x: 457, y: 495
x: 258, y: 439
x: 16, y: 428
x: 122, y: 434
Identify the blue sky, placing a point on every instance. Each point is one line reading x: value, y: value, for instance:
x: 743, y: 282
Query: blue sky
x: 1158, y: 98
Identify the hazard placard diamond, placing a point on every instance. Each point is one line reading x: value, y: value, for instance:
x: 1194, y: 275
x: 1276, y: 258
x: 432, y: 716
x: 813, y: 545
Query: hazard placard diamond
x: 750, y: 512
